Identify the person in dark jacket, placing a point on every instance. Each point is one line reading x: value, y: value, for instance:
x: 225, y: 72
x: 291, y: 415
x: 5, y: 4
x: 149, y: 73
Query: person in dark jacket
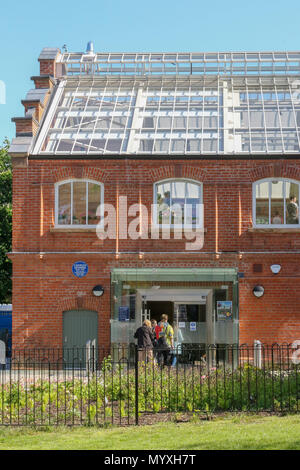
x: 145, y: 338
x: 292, y: 211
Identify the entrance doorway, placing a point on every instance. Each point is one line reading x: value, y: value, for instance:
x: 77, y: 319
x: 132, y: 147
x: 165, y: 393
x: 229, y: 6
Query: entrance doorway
x: 157, y: 308
x: 190, y: 312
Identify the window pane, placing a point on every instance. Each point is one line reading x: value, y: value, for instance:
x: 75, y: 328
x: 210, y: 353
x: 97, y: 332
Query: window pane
x: 262, y: 203
x: 192, y: 199
x: 178, y: 200
x: 93, y: 203
x: 192, y: 191
x: 164, y: 122
x: 163, y: 203
x: 148, y: 123
x: 277, y: 205
x: 146, y: 145
x: 79, y: 203
x: 64, y: 204
x: 161, y: 145
x: 177, y: 145
x: 179, y: 123
x: 292, y: 203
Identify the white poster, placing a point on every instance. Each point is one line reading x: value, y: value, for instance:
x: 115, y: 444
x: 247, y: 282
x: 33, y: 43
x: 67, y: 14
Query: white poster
x: 193, y: 326
x: 181, y: 324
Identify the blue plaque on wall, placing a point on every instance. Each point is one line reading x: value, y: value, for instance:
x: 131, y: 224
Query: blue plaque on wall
x: 123, y: 313
x: 80, y: 269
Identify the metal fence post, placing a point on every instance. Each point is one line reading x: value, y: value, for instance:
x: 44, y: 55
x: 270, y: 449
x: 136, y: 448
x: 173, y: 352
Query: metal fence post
x: 93, y: 347
x: 136, y: 365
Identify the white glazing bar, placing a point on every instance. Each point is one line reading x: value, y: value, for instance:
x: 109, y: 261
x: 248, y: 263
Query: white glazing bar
x: 128, y: 123
x: 280, y: 122
x: 65, y: 124
x: 174, y: 94
x: 202, y: 122
x: 137, y: 122
x: 219, y: 115
x: 249, y: 119
x: 78, y: 135
x: 97, y: 115
x: 111, y: 120
x: 187, y: 118
x: 264, y: 117
x: 47, y: 122
x: 293, y: 97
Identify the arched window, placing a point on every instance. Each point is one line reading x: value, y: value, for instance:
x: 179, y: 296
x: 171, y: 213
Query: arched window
x: 178, y: 203
x: 77, y: 203
x: 276, y: 202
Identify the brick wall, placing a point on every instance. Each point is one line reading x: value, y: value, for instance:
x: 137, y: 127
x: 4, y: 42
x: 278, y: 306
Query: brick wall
x: 44, y: 286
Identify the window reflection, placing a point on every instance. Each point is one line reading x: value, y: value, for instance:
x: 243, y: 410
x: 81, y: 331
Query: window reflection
x: 277, y: 202
x: 178, y: 203
x: 262, y: 203
x: 292, y: 203
x: 78, y: 203
x: 64, y: 204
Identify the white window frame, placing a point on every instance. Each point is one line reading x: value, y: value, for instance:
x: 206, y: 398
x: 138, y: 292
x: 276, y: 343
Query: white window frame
x: 176, y: 226
x: 80, y: 180
x: 270, y: 225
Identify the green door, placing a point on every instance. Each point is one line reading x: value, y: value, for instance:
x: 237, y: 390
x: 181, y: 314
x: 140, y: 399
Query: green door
x: 79, y: 327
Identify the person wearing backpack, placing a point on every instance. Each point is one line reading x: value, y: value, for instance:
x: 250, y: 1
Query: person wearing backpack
x: 165, y: 341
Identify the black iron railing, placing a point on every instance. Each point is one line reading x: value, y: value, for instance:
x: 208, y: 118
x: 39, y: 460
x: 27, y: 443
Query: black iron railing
x: 124, y: 385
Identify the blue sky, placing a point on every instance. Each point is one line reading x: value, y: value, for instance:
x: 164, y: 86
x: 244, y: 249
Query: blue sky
x: 133, y: 25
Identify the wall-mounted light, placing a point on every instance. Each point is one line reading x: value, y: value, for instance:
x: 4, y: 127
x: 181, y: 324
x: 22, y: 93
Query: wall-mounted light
x: 258, y: 291
x: 98, y: 291
x: 275, y: 268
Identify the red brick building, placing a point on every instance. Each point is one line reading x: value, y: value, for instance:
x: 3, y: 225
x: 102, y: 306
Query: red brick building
x: 216, y: 131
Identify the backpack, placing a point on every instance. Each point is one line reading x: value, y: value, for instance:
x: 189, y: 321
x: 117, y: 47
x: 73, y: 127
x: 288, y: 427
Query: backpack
x: 162, y: 342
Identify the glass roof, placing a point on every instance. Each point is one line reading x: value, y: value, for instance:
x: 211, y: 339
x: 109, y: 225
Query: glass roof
x: 193, y: 63
x: 190, y: 116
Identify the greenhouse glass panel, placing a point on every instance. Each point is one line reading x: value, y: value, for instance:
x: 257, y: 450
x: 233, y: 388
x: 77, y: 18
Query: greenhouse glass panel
x: 166, y: 103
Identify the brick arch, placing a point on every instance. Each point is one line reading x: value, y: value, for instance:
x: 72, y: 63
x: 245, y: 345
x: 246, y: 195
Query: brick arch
x: 176, y: 171
x: 276, y: 170
x: 262, y: 171
x: 293, y: 172
x: 64, y: 173
x: 95, y: 174
x: 161, y: 173
x: 193, y: 173
x: 85, y: 302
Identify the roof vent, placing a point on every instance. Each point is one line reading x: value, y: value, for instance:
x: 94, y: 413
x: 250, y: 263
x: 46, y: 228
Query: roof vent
x: 90, y: 48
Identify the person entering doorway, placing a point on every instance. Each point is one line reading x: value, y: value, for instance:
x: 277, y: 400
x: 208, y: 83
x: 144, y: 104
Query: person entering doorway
x: 165, y: 341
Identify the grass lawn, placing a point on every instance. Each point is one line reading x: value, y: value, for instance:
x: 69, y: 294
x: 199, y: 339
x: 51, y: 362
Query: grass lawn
x: 230, y: 432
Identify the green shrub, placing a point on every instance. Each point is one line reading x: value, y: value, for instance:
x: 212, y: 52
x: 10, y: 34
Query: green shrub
x: 111, y: 394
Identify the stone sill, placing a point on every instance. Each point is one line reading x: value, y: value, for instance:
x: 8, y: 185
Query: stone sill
x: 93, y: 230
x: 177, y: 230
x: 274, y: 230
x: 74, y: 230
